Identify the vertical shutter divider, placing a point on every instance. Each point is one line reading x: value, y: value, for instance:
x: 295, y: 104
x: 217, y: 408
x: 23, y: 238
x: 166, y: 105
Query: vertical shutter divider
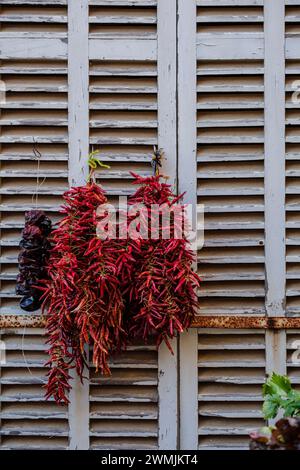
x: 274, y: 13
x: 167, y: 129
x: 78, y: 80
x: 187, y: 182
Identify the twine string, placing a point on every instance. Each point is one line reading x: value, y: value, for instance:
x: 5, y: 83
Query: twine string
x: 37, y: 155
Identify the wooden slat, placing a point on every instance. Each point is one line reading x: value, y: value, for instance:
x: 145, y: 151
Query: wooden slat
x: 131, y: 3
x: 33, y: 2
x: 122, y: 49
x: 18, y: 48
x: 230, y: 3
x: 292, y: 47
x: 217, y: 47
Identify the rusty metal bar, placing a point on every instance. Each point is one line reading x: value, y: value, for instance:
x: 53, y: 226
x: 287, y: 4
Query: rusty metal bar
x: 221, y: 322
x: 22, y: 321
x: 234, y: 322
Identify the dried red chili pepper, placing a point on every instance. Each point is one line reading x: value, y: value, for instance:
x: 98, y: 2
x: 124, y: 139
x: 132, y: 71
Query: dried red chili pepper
x: 162, y: 288
x: 102, y: 291
x: 83, y: 296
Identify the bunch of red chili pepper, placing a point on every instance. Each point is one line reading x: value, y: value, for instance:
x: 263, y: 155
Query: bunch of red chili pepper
x: 83, y: 297
x: 103, y: 292
x: 162, y: 292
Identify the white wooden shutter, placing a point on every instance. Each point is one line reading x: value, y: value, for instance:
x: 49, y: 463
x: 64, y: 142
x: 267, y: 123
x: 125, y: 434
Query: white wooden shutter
x: 237, y: 51
x: 82, y: 75
x: 231, y: 368
x: 33, y: 67
x: 35, y: 114
x: 292, y: 24
x: 124, y: 408
x: 292, y: 198
x: 293, y: 357
x: 230, y: 156
x: 27, y: 421
x: 132, y: 79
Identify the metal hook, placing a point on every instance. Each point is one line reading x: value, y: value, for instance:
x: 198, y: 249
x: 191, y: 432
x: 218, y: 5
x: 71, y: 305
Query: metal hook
x: 156, y: 161
x: 35, y: 151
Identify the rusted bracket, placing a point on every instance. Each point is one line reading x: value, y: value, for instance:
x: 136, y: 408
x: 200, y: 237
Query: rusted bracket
x: 221, y: 322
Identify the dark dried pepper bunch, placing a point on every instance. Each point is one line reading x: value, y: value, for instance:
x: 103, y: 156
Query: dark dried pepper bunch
x: 284, y: 436
x: 32, y: 259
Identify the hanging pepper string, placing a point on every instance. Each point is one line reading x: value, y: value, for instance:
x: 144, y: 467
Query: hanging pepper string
x: 37, y: 154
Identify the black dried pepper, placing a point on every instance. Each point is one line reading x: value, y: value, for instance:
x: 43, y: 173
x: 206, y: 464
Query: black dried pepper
x: 32, y: 259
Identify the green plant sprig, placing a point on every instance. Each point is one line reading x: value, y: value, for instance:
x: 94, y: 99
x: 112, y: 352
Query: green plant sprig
x: 94, y: 163
x: 279, y: 395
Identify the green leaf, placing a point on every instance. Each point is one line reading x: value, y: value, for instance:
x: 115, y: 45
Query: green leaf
x: 270, y: 407
x: 277, y: 385
x: 279, y: 394
x: 292, y: 404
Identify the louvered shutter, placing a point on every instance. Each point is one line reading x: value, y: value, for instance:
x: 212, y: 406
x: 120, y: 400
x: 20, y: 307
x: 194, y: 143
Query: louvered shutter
x: 27, y: 421
x: 83, y: 75
x: 292, y: 67
x: 34, y: 114
x: 233, y: 54
x: 293, y: 357
x: 124, y: 408
x: 33, y: 67
x: 292, y: 193
x: 132, y: 108
x: 231, y: 368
